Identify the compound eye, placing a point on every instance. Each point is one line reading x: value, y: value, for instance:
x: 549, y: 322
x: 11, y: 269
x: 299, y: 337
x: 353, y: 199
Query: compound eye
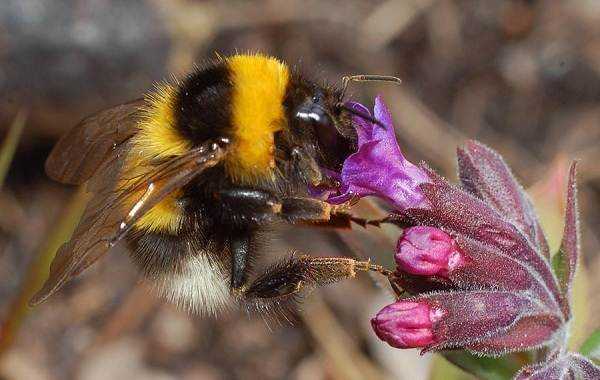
x: 312, y: 111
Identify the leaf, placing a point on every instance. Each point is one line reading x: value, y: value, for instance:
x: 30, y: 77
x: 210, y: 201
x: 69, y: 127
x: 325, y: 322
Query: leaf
x: 486, y: 368
x: 564, y: 261
x: 442, y: 369
x: 484, y: 173
x: 591, y: 347
x: 9, y: 145
x: 560, y: 266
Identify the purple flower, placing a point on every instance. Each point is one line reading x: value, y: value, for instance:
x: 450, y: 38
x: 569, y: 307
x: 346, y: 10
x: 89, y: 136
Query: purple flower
x: 474, y: 257
x: 502, y: 295
x: 378, y: 167
x: 482, y: 321
x: 428, y: 251
x: 406, y: 324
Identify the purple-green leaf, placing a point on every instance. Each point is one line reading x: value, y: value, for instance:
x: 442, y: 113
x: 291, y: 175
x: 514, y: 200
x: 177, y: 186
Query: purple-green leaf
x: 564, y: 261
x: 484, y: 173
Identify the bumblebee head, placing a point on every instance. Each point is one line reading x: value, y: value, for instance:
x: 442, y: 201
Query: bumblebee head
x: 320, y: 124
x: 319, y: 127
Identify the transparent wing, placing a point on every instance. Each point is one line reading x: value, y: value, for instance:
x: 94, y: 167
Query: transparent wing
x: 81, y: 151
x: 112, y: 213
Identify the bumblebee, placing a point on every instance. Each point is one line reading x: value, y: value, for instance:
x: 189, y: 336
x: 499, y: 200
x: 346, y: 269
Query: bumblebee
x: 193, y: 174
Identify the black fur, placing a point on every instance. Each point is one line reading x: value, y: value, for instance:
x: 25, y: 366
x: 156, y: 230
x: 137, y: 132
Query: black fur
x: 218, y: 210
x: 203, y: 104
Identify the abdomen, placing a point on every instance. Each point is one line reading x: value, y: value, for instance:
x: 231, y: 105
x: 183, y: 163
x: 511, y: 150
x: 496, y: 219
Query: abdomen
x: 185, y: 269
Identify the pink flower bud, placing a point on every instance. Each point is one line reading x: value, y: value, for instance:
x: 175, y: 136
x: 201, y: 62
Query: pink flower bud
x: 428, y: 251
x: 406, y: 324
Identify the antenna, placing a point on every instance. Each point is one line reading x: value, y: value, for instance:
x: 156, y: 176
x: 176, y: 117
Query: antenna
x: 366, y: 78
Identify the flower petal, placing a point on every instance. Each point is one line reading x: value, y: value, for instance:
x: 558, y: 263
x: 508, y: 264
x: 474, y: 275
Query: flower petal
x: 428, y: 251
x: 378, y: 167
x: 364, y: 128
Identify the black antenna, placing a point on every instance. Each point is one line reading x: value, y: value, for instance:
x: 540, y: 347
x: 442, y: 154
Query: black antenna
x: 360, y: 114
x: 366, y: 78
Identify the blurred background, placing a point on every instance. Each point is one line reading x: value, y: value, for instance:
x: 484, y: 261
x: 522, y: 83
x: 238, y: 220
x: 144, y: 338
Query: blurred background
x: 521, y: 76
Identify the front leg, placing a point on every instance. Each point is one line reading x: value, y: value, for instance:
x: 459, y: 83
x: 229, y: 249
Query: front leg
x: 242, y: 207
x: 246, y: 209
x: 318, y: 213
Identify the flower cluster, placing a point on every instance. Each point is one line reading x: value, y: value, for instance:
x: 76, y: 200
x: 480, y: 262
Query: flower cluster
x: 472, y: 256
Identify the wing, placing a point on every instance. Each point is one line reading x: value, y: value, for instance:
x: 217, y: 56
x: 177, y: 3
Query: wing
x: 80, y: 152
x: 112, y: 213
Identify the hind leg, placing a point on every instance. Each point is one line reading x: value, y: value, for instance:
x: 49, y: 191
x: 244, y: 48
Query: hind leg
x: 285, y: 280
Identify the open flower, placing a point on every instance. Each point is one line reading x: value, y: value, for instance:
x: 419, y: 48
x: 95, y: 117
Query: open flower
x: 378, y: 167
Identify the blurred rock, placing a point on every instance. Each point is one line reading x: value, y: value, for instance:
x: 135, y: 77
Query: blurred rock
x: 202, y: 371
x: 173, y: 331
x: 122, y: 359
x: 17, y: 365
x: 66, y: 58
x: 310, y: 368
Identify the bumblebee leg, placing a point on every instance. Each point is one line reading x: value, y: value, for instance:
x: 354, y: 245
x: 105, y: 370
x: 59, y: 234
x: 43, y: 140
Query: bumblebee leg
x: 246, y: 207
x: 243, y: 206
x: 303, y: 272
x: 258, y: 206
x: 239, y: 248
x: 295, y: 209
x: 317, y: 213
